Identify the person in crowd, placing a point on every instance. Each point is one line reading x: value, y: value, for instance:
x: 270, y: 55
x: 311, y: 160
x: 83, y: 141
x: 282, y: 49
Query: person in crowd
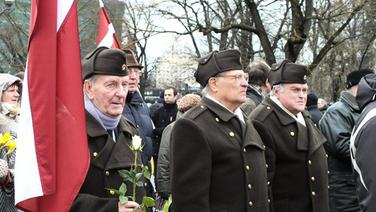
x: 137, y: 112
x: 157, y: 104
x: 258, y: 84
x: 105, y: 76
x: 322, y: 105
x: 363, y: 144
x: 312, y: 108
x: 163, y: 117
x: 163, y: 182
x: 218, y: 161
x: 337, y: 124
x: 297, y: 166
x: 10, y: 87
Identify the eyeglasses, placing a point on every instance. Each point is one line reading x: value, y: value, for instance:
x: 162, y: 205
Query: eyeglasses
x: 237, y: 77
x: 134, y: 71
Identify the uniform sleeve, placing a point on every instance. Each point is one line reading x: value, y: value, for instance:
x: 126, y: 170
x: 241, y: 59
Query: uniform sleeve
x: 88, y: 202
x: 337, y: 128
x: 270, y: 157
x: 191, y: 167
x: 366, y: 160
x: 163, y: 165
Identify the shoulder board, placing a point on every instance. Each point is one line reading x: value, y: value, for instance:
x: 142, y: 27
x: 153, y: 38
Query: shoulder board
x: 261, y: 112
x: 195, y: 111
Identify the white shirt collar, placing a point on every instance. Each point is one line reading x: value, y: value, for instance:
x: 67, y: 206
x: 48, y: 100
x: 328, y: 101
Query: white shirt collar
x: 238, y: 112
x: 299, y: 117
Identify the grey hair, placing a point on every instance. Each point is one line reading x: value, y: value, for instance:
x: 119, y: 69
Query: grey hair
x: 278, y: 87
x: 205, y: 90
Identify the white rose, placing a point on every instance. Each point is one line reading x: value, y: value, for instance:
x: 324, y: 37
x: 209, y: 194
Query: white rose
x: 136, y: 142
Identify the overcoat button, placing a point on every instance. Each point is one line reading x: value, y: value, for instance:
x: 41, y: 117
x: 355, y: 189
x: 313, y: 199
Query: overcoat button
x: 244, y: 150
x: 249, y: 186
x: 327, y: 155
x: 309, y: 162
x: 292, y: 133
x: 268, y: 200
x: 313, y: 193
x: 216, y: 119
x: 268, y: 107
x: 313, y: 179
x: 268, y: 182
x: 202, y: 106
x: 107, y: 173
x: 250, y: 203
x: 231, y: 134
x: 247, y: 167
x: 267, y: 165
x: 95, y: 154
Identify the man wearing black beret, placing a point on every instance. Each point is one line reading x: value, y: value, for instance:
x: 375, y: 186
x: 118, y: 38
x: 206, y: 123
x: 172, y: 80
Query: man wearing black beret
x: 218, y: 161
x: 296, y: 161
x: 337, y: 124
x: 105, y: 86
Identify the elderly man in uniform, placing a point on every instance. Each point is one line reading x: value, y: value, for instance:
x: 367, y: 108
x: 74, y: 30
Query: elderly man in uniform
x: 297, y: 166
x: 218, y: 157
x: 109, y: 134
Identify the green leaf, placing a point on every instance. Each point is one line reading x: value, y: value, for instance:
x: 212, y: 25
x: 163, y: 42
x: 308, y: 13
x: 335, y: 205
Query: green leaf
x: 148, y: 202
x: 123, y: 199
x: 146, y: 172
x: 138, y: 176
x: 139, y: 184
x: 124, y: 173
x: 123, y: 188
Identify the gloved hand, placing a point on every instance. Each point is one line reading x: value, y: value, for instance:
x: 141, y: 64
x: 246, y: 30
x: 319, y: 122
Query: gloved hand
x: 3, y: 171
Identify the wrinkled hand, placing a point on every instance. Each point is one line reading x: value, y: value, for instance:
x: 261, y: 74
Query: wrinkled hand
x: 129, y: 206
x: 3, y: 170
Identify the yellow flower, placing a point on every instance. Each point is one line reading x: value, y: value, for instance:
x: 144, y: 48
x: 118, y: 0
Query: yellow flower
x: 6, y: 141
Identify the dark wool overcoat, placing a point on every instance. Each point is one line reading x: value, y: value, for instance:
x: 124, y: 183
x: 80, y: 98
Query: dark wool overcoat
x: 297, y: 163
x: 106, y: 158
x: 218, y: 162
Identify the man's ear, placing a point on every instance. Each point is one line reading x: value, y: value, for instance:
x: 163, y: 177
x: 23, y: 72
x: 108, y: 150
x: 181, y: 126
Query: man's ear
x: 88, y: 89
x: 213, y: 84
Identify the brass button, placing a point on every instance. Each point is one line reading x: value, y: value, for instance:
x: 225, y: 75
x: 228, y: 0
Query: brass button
x: 267, y: 165
x: 309, y: 162
x: 328, y: 172
x: 112, y: 192
x: 292, y: 133
x: 268, y: 200
x: 249, y: 186
x: 202, y: 106
x: 328, y: 187
x: 247, y: 167
x: 216, y: 119
x: 267, y: 107
x: 95, y: 154
x: 313, y: 193
x: 107, y: 173
x: 232, y: 134
x: 268, y: 182
x: 250, y: 203
x: 313, y: 179
x: 244, y: 150
x: 326, y: 155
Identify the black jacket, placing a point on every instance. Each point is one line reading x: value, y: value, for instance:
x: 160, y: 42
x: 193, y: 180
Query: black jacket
x: 337, y: 124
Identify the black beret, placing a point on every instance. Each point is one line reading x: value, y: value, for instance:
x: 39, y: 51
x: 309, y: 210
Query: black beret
x: 104, y: 61
x: 217, y: 62
x: 366, y: 90
x: 354, y: 77
x: 311, y: 99
x: 288, y: 72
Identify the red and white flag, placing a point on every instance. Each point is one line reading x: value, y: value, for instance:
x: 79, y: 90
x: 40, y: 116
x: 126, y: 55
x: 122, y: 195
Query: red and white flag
x: 106, y: 32
x: 52, y: 154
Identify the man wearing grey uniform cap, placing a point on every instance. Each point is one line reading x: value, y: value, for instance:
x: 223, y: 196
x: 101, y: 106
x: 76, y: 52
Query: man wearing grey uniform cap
x: 218, y: 157
x: 105, y: 85
x: 297, y: 167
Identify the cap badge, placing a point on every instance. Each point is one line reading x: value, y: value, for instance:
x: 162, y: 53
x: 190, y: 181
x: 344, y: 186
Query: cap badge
x: 305, y: 77
x: 124, y: 67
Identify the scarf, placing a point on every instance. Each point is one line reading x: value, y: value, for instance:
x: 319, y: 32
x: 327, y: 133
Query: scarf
x: 108, y: 123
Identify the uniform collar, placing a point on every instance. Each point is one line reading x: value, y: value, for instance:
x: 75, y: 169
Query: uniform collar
x: 94, y: 128
x: 223, y: 113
